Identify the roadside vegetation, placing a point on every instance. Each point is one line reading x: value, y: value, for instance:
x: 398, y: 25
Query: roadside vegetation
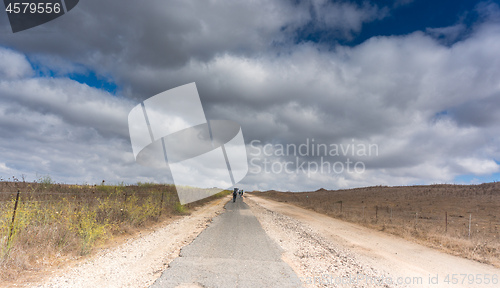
x: 54, y: 223
x: 462, y: 220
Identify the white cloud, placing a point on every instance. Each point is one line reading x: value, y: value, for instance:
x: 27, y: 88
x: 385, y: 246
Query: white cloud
x: 75, y: 103
x: 479, y: 166
x: 4, y: 167
x: 13, y: 65
x: 346, y: 17
x: 72, y: 132
x: 447, y: 34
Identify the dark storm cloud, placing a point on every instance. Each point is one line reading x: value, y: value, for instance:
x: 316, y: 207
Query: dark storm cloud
x: 145, y: 36
x: 482, y: 113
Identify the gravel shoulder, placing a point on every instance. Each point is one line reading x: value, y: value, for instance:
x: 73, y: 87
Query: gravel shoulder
x: 325, y: 251
x: 141, y: 259
x: 318, y: 261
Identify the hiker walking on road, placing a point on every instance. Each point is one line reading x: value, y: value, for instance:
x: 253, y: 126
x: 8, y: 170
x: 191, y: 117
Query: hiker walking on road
x: 235, y: 193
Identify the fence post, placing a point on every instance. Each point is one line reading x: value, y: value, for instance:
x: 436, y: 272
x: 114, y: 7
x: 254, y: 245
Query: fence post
x: 446, y: 222
x: 13, y: 218
x: 416, y: 218
x: 376, y: 213
x: 470, y: 220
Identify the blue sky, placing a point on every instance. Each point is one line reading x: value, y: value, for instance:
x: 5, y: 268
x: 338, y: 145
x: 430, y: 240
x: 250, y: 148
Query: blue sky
x: 475, y: 179
x: 83, y: 76
x: 417, y: 78
x: 420, y: 15
x: 404, y: 19
x: 96, y: 81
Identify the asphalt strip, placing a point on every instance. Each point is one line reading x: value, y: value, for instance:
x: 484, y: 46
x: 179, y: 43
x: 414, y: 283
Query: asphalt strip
x: 234, y: 251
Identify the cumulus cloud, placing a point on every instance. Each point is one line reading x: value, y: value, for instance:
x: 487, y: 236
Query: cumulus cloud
x: 131, y: 37
x: 75, y: 103
x: 430, y: 107
x: 448, y: 34
x: 345, y: 18
x: 14, y: 65
x: 59, y: 127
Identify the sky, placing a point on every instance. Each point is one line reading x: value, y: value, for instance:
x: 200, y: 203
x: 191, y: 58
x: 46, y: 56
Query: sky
x: 390, y: 92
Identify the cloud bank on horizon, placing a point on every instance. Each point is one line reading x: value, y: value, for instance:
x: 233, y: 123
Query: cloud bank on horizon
x: 334, y: 73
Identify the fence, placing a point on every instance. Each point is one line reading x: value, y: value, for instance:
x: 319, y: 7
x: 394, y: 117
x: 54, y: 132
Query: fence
x: 89, y: 213
x: 464, y: 225
x: 460, y: 219
x: 463, y: 211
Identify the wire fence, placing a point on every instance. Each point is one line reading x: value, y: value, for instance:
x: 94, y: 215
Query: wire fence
x: 459, y: 224
x: 462, y: 211
x: 89, y: 212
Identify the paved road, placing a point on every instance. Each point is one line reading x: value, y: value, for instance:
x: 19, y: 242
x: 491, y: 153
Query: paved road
x: 234, y: 251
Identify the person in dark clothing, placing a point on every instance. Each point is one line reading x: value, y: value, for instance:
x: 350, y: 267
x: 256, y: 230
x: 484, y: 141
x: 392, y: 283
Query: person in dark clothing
x: 235, y: 193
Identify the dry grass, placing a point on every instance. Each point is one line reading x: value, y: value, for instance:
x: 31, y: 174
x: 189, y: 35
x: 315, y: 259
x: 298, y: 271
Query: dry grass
x: 417, y: 213
x: 57, y: 222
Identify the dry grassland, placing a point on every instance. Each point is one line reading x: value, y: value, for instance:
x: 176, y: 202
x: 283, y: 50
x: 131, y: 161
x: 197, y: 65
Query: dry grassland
x: 55, y: 223
x: 436, y: 215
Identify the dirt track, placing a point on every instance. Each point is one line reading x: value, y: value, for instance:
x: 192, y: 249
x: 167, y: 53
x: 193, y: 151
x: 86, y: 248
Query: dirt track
x: 394, y: 259
x: 323, y: 252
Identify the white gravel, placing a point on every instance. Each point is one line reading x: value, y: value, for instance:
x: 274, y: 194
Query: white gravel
x: 317, y: 261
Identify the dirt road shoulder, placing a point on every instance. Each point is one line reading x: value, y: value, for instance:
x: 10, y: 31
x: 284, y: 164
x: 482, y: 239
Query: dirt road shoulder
x: 141, y: 260
x: 387, y: 257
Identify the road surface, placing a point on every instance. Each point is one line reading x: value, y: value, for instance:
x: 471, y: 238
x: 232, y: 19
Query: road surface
x: 246, y: 244
x: 234, y: 251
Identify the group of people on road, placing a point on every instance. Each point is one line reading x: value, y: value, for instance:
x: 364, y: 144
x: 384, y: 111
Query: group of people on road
x: 237, y: 192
